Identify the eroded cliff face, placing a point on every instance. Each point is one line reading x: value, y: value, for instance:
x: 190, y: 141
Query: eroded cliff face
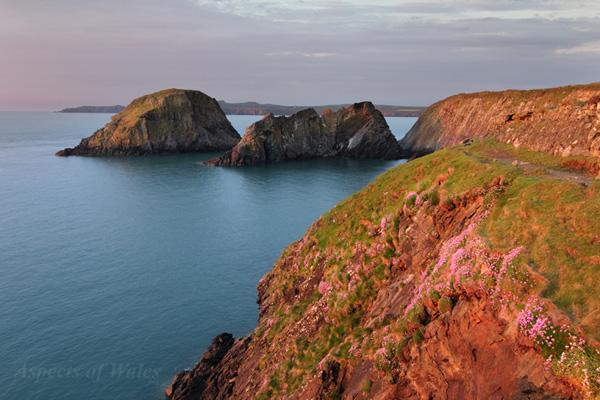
x: 170, y: 121
x: 413, y: 288
x: 359, y: 131
x: 561, y: 121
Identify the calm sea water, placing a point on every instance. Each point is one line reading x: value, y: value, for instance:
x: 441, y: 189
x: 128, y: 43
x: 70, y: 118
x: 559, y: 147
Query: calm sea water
x: 116, y: 273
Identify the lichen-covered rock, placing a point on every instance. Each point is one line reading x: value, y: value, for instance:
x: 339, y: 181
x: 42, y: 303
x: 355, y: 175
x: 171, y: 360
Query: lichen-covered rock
x: 170, y: 121
x: 359, y: 131
x: 562, y: 121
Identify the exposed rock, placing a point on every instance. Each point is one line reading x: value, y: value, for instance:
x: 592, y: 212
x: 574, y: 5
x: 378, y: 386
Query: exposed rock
x: 471, y: 352
x: 562, y: 121
x: 170, y: 121
x: 190, y: 384
x: 359, y: 131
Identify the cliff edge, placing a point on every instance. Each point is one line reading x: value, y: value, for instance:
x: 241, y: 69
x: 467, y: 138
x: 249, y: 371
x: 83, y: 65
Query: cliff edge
x: 470, y: 273
x: 561, y: 121
x: 359, y: 131
x: 169, y: 121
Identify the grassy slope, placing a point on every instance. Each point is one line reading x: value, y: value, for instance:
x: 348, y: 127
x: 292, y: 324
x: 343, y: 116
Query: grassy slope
x: 556, y: 221
x: 559, y: 224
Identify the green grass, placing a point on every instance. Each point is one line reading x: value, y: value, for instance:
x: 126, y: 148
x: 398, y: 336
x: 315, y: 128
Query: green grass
x: 559, y: 224
x: 367, y: 386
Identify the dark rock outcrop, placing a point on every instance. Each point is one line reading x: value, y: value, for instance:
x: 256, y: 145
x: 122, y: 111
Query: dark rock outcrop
x: 170, y: 121
x: 192, y: 383
x: 562, y: 121
x: 359, y: 131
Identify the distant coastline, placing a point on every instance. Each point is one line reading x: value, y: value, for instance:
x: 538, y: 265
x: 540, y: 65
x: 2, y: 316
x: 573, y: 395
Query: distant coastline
x: 253, y: 108
x: 94, y: 109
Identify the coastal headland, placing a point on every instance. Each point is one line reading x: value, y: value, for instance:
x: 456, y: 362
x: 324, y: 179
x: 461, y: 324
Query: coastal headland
x: 470, y: 272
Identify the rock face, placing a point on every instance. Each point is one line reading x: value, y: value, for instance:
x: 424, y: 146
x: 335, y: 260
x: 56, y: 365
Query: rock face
x: 170, y: 121
x: 190, y: 384
x: 562, y: 121
x: 360, y: 131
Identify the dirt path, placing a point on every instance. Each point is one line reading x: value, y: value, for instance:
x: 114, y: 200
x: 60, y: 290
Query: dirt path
x: 576, y: 176
x: 581, y: 177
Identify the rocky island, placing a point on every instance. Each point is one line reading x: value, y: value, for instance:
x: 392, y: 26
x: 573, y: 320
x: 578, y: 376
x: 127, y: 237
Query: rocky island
x: 169, y: 121
x: 468, y: 273
x: 359, y: 131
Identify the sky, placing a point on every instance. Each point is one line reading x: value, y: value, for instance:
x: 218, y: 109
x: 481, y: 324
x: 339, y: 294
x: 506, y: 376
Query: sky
x: 66, y: 53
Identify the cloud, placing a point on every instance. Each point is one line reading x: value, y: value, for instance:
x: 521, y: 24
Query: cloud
x: 592, y: 48
x: 296, y: 53
x: 317, y: 11
x: 292, y: 52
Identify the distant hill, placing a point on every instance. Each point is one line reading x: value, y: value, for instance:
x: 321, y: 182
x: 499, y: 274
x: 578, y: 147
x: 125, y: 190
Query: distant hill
x: 253, y: 108
x: 94, y: 109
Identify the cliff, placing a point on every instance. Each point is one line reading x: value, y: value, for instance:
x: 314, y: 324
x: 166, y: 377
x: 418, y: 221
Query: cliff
x: 359, y: 131
x: 170, y: 121
x: 470, y: 273
x: 562, y: 121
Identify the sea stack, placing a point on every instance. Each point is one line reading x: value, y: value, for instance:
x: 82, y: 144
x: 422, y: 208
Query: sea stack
x: 359, y: 131
x: 169, y: 121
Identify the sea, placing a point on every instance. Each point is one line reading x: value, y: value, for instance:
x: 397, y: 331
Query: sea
x: 117, y: 272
